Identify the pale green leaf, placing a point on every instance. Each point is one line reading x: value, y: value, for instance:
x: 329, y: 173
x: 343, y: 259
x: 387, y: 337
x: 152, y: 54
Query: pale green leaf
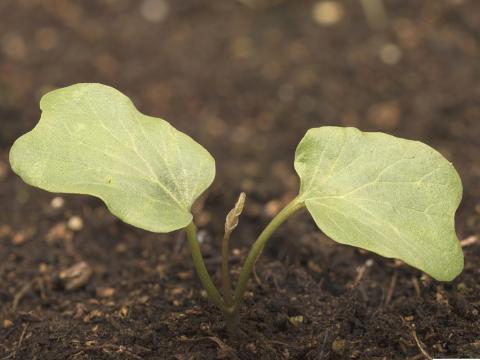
x: 392, y: 196
x: 92, y: 140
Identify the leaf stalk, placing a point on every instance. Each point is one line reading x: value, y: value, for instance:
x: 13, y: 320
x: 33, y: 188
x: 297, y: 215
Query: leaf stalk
x: 230, y: 305
x: 201, y: 269
x: 231, y: 223
x: 259, y: 245
x: 226, y: 282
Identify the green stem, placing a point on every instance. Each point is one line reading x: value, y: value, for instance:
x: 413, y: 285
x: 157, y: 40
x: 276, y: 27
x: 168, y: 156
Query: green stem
x: 257, y: 248
x: 202, y: 271
x: 226, y: 282
x: 232, y: 319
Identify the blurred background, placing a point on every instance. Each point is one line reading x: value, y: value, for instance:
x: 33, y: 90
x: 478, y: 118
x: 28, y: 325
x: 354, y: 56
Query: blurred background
x: 246, y: 79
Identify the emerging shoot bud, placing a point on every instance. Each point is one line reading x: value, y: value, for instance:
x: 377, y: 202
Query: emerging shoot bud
x: 232, y: 217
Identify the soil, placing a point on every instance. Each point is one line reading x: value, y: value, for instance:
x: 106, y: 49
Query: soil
x: 76, y: 283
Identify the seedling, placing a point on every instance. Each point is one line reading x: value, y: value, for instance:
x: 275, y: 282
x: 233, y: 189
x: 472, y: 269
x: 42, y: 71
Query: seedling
x: 392, y: 196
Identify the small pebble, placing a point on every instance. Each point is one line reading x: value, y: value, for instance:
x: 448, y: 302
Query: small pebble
x: 154, y: 10
x: 385, y: 115
x: 296, y: 320
x: 272, y: 208
x: 75, y: 223
x: 58, y: 232
x: 57, y: 203
x: 7, y: 324
x: 43, y: 268
x: 338, y: 345
x: 440, y: 296
x: 121, y: 248
x: 92, y: 315
x: 185, y: 275
x: 177, y: 291
x: 105, y: 292
x: 144, y: 299
x: 80, y: 310
x: 313, y: 266
x: 204, y: 327
x: 161, y: 269
x: 469, y: 241
x: 76, y: 276
x: 13, y: 46
x: 193, y: 311
x: 327, y: 13
x: 202, y: 235
x: 20, y: 237
x: 215, y: 127
x: 179, y: 315
x: 390, y: 54
x: 123, y: 311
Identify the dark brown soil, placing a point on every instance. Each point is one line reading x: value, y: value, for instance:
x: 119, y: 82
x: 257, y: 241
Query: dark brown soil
x: 247, y: 84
